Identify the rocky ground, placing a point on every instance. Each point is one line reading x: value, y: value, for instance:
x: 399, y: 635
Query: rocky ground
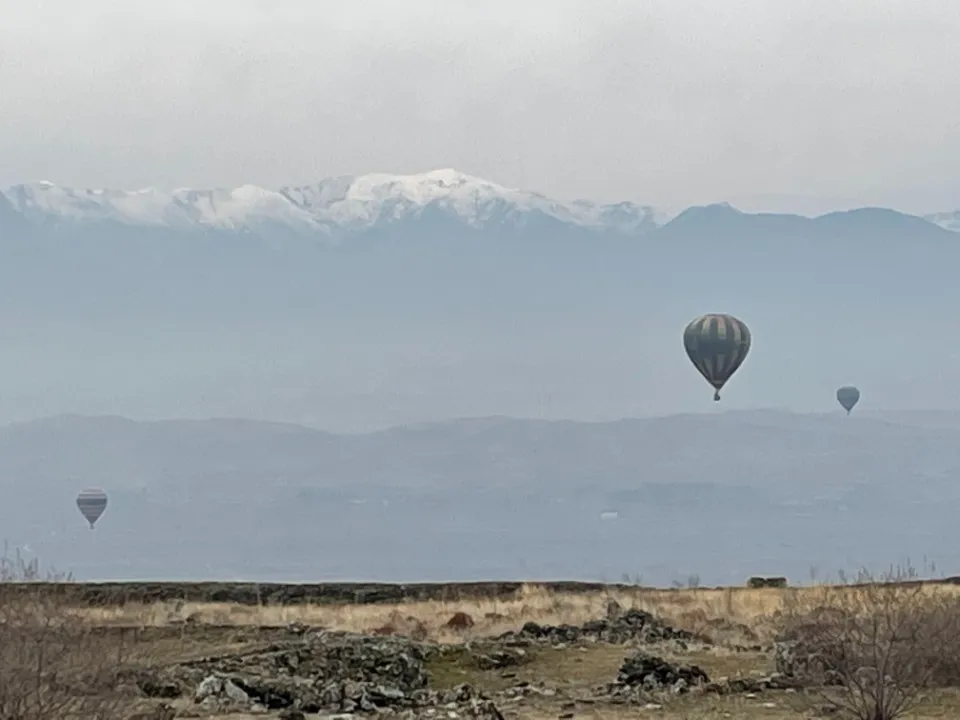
x: 629, y: 663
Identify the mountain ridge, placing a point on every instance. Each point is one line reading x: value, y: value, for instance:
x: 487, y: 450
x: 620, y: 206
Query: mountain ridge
x: 485, y: 496
x: 345, y: 204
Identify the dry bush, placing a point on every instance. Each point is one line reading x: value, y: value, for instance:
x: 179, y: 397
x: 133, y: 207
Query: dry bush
x: 877, y: 646
x: 53, y: 665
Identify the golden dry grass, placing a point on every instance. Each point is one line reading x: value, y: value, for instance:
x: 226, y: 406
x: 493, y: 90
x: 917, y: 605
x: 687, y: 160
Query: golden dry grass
x: 733, y: 615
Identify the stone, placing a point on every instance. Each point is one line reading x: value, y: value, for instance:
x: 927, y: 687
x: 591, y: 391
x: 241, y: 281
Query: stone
x: 625, y: 626
x: 642, y: 668
x: 217, y: 687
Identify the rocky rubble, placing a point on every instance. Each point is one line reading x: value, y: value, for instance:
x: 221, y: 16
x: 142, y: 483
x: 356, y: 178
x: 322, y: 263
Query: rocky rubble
x: 322, y: 672
x: 220, y: 693
x: 642, y: 673
x: 309, y: 672
x: 642, y: 676
x: 618, y: 628
x: 642, y: 668
x: 492, y: 655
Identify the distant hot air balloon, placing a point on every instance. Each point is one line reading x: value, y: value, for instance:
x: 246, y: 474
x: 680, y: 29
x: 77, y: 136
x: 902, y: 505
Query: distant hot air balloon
x: 717, y: 345
x: 92, y: 502
x: 848, y: 396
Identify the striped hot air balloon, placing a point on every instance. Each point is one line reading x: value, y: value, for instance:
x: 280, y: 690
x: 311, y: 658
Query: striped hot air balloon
x: 92, y: 502
x: 717, y: 345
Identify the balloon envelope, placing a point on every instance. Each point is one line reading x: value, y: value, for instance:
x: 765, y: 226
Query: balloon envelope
x: 848, y: 396
x: 717, y: 344
x: 92, y: 502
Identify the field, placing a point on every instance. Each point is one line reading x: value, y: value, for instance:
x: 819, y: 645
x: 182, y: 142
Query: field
x: 425, y: 649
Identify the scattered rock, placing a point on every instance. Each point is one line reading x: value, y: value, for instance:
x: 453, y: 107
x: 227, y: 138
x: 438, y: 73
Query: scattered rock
x: 154, y: 684
x: 751, y: 685
x: 499, y: 658
x: 484, y: 710
x: 297, y: 628
x: 219, y: 688
x: 642, y: 673
x: 330, y: 672
x: 642, y: 668
x: 625, y: 626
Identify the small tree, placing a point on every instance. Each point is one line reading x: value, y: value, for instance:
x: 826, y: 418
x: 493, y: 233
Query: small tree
x: 873, y: 648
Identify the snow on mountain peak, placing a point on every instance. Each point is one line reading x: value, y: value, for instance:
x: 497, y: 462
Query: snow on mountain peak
x: 946, y: 220
x: 347, y: 202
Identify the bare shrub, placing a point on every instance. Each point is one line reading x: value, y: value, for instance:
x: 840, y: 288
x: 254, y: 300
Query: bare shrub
x: 17, y: 569
x: 875, y: 647
x: 52, y: 664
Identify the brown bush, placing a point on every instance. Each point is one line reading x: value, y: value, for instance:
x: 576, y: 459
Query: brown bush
x: 52, y: 664
x: 875, y: 647
x: 459, y: 621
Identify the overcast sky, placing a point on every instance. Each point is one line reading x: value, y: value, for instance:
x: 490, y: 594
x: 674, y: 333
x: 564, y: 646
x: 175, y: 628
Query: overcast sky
x: 801, y: 106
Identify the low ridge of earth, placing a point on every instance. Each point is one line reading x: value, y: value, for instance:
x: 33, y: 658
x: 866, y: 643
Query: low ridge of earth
x: 255, y: 594
x: 108, y: 594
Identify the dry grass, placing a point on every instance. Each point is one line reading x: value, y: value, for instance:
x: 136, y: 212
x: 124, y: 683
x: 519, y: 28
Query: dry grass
x: 731, y: 616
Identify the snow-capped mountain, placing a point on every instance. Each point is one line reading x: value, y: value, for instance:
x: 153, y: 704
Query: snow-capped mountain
x: 946, y: 220
x: 335, y: 204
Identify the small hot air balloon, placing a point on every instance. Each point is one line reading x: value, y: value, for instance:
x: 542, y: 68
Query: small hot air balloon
x: 848, y: 396
x: 92, y: 502
x: 717, y: 345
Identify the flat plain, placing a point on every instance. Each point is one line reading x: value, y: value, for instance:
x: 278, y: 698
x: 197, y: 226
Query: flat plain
x: 512, y: 651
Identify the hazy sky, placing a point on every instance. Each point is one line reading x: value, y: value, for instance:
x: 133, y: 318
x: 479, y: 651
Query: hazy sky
x: 802, y: 106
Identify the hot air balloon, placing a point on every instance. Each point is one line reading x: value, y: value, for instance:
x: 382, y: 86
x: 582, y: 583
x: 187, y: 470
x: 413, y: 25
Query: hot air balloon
x: 848, y: 396
x: 717, y: 345
x: 92, y: 502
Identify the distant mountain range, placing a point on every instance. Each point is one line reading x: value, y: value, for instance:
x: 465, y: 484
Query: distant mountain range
x: 334, y: 206
x: 361, y: 303
x: 723, y: 496
x: 386, y: 302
